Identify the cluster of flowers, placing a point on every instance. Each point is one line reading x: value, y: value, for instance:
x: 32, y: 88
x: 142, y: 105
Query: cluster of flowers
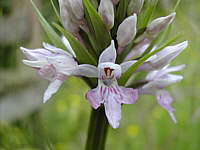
x: 56, y: 65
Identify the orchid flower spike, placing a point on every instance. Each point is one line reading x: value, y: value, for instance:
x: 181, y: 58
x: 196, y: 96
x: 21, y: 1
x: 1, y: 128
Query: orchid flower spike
x: 157, y: 81
x: 106, y: 11
x: 108, y: 92
x: 49, y: 61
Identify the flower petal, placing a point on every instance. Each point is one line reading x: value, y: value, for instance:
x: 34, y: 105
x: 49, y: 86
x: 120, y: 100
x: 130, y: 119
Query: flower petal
x: 56, y: 50
x: 165, y: 57
x: 88, y: 71
x: 35, y: 64
x: 52, y: 89
x: 113, y: 110
x: 127, y: 65
x: 129, y: 95
x: 109, y: 54
x: 94, y: 98
x: 35, y: 54
x: 82, y: 70
x: 164, y: 99
x: 67, y: 44
x: 47, y: 72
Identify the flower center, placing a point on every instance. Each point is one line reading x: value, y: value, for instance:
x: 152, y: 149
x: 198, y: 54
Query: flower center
x: 108, y: 73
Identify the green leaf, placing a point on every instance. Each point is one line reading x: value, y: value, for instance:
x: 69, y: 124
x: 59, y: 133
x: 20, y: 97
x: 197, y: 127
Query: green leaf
x: 52, y: 35
x: 125, y: 77
x: 82, y: 55
x: 94, y: 3
x: 167, y: 31
x: 56, y: 12
x: 121, y: 10
x: 120, y: 15
x: 100, y: 34
x: 148, y: 14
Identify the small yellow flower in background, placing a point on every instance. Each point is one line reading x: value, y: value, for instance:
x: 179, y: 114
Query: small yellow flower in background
x: 133, y: 130
x: 61, y: 106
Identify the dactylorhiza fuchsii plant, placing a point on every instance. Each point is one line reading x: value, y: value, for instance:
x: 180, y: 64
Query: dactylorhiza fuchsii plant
x: 111, y: 45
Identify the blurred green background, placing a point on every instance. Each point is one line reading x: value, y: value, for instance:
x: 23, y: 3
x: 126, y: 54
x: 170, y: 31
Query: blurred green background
x: 27, y: 124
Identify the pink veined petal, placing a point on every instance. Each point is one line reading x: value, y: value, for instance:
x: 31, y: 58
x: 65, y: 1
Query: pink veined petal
x: 129, y: 95
x: 52, y: 89
x: 113, y: 110
x: 94, y: 98
x: 47, y: 72
x: 109, y: 54
x: 165, y: 100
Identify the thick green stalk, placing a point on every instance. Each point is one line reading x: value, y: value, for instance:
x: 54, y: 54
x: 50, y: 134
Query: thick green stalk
x: 97, y: 131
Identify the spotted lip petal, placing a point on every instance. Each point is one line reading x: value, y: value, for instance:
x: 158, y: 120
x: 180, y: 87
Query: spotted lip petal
x: 113, y: 110
x: 94, y: 98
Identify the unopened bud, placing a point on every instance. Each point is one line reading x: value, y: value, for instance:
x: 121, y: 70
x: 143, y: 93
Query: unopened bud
x: 77, y: 9
x: 68, y: 24
x: 138, y: 49
x: 164, y: 57
x: 160, y: 24
x: 127, y: 30
x: 135, y: 6
x: 115, y: 2
x: 106, y: 11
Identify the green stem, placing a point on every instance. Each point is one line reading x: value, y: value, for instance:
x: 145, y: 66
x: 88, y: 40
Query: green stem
x: 97, y: 131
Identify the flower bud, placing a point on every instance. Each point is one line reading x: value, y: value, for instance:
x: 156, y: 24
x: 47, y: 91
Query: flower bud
x: 159, y: 24
x: 106, y: 11
x: 115, y: 2
x: 134, y: 6
x: 138, y: 49
x: 164, y: 57
x: 68, y: 24
x: 127, y: 30
x: 77, y: 9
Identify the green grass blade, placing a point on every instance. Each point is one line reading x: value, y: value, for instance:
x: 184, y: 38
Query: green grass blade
x: 125, y: 77
x: 52, y: 35
x: 56, y: 12
x: 97, y: 27
x: 82, y: 55
x: 149, y: 14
